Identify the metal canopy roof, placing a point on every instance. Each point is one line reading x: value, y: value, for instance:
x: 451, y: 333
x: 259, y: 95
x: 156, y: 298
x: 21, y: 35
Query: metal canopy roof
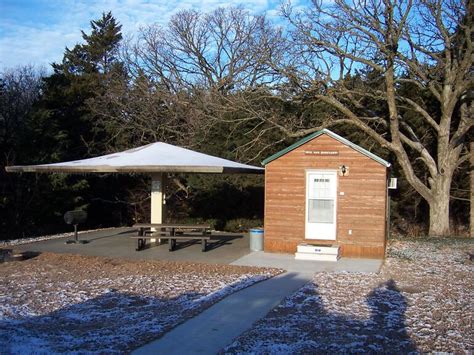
x: 155, y: 157
x: 333, y: 135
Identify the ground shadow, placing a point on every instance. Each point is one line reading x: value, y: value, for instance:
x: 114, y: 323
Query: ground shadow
x: 221, y: 239
x: 115, y: 234
x: 10, y: 255
x: 114, y: 322
x: 182, y: 244
x: 216, y: 241
x: 388, y: 307
x: 302, y: 325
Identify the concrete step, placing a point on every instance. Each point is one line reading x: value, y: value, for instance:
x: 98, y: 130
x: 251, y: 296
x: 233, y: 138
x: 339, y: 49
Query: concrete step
x: 318, y: 249
x: 316, y: 257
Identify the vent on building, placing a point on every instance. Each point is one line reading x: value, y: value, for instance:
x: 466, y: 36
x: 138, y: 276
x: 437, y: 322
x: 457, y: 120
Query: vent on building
x: 392, y: 185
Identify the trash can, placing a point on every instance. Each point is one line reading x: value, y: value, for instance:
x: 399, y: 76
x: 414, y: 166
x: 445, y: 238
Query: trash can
x: 256, y: 239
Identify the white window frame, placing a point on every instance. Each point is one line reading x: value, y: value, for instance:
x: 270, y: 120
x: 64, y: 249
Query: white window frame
x: 321, y: 171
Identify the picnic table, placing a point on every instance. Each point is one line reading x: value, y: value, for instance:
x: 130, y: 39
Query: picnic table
x: 172, y: 232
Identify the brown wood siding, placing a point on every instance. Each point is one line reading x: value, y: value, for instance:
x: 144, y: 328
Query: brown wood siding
x: 362, y: 208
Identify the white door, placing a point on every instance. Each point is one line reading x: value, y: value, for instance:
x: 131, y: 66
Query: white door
x: 321, y: 191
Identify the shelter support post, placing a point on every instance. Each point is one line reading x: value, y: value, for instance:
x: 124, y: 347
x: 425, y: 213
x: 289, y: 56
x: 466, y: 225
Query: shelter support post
x: 157, y: 198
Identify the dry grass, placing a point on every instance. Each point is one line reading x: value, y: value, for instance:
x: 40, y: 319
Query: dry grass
x: 421, y: 301
x: 64, y: 303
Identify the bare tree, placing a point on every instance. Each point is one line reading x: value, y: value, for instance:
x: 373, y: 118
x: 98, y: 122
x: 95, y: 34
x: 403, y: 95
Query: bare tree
x: 367, y: 58
x: 224, y: 50
x: 140, y: 111
x: 180, y: 78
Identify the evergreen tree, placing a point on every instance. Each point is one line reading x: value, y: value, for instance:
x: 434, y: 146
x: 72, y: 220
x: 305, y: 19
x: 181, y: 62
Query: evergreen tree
x: 99, y: 52
x: 60, y: 128
x: 79, y: 78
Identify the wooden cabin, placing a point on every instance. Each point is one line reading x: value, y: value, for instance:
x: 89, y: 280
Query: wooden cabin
x: 325, y: 194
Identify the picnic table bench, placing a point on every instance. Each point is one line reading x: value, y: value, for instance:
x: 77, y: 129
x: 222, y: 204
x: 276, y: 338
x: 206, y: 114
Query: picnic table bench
x: 172, y: 232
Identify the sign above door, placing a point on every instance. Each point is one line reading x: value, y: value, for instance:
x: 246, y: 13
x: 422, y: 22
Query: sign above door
x: 322, y: 152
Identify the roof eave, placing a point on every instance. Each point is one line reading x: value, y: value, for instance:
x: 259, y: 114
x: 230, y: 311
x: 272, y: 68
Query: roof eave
x: 131, y: 169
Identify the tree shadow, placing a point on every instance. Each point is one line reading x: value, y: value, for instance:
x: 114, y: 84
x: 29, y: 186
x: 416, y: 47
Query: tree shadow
x: 388, y: 307
x: 304, y: 325
x: 114, y: 322
x: 383, y: 332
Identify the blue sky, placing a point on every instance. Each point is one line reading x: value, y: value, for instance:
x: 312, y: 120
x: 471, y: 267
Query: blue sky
x: 37, y: 31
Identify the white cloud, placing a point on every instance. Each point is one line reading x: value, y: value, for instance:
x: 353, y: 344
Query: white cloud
x: 25, y: 42
x: 37, y: 46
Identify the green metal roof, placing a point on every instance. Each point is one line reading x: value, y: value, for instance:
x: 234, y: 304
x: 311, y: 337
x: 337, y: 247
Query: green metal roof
x: 333, y: 135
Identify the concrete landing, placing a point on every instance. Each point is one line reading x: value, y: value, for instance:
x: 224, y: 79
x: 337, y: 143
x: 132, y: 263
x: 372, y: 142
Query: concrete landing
x: 288, y: 262
x: 216, y: 327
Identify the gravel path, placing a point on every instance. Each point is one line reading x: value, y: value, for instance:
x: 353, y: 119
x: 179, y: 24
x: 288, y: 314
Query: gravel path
x: 69, y: 303
x: 421, y: 301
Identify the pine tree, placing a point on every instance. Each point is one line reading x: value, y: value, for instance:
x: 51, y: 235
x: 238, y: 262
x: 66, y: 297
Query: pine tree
x: 62, y: 128
x: 99, y: 52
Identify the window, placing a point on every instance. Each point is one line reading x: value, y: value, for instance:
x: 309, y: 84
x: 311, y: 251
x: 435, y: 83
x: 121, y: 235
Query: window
x: 321, y: 200
x: 321, y: 211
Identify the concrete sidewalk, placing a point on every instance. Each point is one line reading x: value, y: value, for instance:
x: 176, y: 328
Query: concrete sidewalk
x: 216, y: 327
x: 288, y: 263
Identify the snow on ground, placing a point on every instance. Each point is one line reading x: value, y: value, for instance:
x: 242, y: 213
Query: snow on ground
x: 420, y: 302
x: 69, y: 303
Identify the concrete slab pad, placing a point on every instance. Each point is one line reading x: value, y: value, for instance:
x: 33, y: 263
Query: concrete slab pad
x: 228, y: 249
x: 116, y: 243
x: 288, y: 262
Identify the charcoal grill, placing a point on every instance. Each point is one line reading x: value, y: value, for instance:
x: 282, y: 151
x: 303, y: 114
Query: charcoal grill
x: 75, y: 218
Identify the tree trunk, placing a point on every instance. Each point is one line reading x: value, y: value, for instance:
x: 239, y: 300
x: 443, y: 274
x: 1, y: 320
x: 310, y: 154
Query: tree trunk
x: 472, y: 189
x: 439, y: 207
